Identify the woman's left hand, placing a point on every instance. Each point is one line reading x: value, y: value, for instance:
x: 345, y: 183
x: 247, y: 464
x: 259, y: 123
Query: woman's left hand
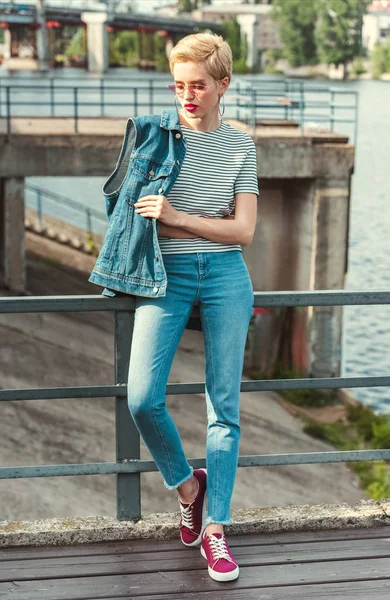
x: 159, y: 208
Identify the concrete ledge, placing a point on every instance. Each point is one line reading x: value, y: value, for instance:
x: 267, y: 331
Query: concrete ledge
x: 81, y: 530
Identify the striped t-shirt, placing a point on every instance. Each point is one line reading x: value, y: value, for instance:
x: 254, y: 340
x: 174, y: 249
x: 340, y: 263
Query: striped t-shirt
x: 217, y: 165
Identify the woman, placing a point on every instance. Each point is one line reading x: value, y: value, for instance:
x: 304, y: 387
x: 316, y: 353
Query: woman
x: 201, y: 242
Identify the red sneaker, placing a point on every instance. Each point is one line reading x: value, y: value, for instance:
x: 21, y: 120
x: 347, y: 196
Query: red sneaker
x: 222, y: 564
x: 193, y: 515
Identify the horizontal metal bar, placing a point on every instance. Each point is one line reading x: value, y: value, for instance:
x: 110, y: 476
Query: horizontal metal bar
x: 80, y: 303
x: 321, y: 298
x: 145, y: 466
x: 30, y: 304
x: 173, y: 389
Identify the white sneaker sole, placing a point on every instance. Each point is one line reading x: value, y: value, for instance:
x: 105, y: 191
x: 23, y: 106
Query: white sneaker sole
x: 198, y: 540
x: 221, y: 576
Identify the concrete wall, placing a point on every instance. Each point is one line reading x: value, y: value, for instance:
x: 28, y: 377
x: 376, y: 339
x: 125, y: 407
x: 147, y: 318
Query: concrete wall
x: 301, y: 240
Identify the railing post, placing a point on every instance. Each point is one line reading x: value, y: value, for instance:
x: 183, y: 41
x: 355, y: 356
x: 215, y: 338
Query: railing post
x: 356, y: 121
x: 331, y: 120
x: 102, y: 96
x: 39, y: 209
x: 128, y: 486
x: 302, y: 108
x: 75, y: 110
x: 89, y: 220
x: 52, y: 103
x: 254, y: 109
x: 1, y: 94
x: 286, y: 95
x: 135, y: 95
x: 151, y: 91
x: 8, y: 108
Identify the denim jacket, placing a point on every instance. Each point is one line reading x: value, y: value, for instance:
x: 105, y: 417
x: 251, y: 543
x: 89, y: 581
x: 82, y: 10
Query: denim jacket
x: 152, y: 153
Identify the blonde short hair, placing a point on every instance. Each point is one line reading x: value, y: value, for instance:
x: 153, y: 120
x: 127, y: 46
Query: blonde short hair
x: 207, y: 48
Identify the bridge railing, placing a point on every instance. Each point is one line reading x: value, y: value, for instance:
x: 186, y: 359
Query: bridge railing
x: 47, y: 203
x: 248, y: 100
x: 128, y: 464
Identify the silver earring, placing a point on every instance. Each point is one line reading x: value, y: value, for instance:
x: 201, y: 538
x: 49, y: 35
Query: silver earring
x: 221, y: 113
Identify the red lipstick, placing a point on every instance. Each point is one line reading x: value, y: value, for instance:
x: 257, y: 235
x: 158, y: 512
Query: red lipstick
x: 190, y: 107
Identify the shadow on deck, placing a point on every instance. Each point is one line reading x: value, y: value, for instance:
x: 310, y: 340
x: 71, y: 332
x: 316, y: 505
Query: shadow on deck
x: 351, y: 564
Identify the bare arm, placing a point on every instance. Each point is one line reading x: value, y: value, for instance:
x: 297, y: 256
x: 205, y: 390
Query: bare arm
x: 181, y: 233
x: 240, y: 231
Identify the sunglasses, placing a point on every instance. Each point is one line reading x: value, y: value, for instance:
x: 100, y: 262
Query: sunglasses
x: 194, y: 88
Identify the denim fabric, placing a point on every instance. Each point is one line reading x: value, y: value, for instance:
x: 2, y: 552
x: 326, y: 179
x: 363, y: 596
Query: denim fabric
x: 149, y: 162
x: 219, y: 282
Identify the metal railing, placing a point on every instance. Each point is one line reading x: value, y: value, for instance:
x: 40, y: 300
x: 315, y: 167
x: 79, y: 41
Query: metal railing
x: 128, y: 465
x: 248, y: 100
x: 79, y: 213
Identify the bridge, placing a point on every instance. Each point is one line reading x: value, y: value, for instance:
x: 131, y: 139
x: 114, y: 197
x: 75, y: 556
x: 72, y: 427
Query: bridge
x: 27, y: 24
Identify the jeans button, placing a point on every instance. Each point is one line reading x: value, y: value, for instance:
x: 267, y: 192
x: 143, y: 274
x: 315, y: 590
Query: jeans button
x: 178, y: 135
x: 160, y: 190
x: 155, y: 289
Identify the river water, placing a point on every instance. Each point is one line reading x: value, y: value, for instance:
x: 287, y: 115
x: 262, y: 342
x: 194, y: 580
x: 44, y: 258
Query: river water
x: 366, y: 347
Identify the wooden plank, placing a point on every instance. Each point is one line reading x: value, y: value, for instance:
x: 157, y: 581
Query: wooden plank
x: 126, y: 546
x: 119, y: 586
x: 189, y: 559
x: 361, y: 590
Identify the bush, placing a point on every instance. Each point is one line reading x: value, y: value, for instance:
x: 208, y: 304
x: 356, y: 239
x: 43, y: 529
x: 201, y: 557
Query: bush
x: 364, y: 421
x: 380, y: 59
x: 358, y: 67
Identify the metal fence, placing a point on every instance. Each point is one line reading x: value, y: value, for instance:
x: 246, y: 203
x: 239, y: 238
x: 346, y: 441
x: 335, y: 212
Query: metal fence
x: 58, y: 206
x: 128, y: 465
x: 248, y: 99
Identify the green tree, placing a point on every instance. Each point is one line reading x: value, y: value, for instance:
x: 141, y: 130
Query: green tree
x: 231, y: 32
x: 297, y: 20
x: 77, y: 46
x: 190, y: 5
x: 380, y: 58
x: 124, y: 48
x: 339, y: 31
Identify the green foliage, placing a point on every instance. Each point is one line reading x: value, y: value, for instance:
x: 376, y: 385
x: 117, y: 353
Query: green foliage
x: 364, y: 430
x: 77, y: 45
x: 123, y: 48
x: 339, y: 30
x: 358, y: 66
x: 380, y: 486
x: 162, y: 63
x: 380, y: 59
x: 231, y: 32
x: 240, y: 66
x: 369, y: 425
x: 310, y: 398
x: 190, y: 5
x: 297, y: 22
x: 334, y: 433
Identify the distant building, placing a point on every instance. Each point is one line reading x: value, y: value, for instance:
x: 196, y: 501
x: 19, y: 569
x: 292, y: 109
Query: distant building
x: 376, y: 23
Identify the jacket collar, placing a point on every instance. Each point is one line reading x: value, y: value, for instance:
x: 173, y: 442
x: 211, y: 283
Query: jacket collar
x: 170, y: 119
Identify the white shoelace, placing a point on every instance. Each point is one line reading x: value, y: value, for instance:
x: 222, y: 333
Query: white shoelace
x: 219, y: 548
x: 186, y: 515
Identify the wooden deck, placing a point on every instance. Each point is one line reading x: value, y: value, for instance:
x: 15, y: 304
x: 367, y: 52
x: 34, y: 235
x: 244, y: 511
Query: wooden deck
x: 352, y: 564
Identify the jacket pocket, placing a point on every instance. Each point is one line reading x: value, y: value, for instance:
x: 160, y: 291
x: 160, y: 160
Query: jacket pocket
x: 150, y: 168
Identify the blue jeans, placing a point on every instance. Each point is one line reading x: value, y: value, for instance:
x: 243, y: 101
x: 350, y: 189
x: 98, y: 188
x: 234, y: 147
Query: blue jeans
x: 220, y: 283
